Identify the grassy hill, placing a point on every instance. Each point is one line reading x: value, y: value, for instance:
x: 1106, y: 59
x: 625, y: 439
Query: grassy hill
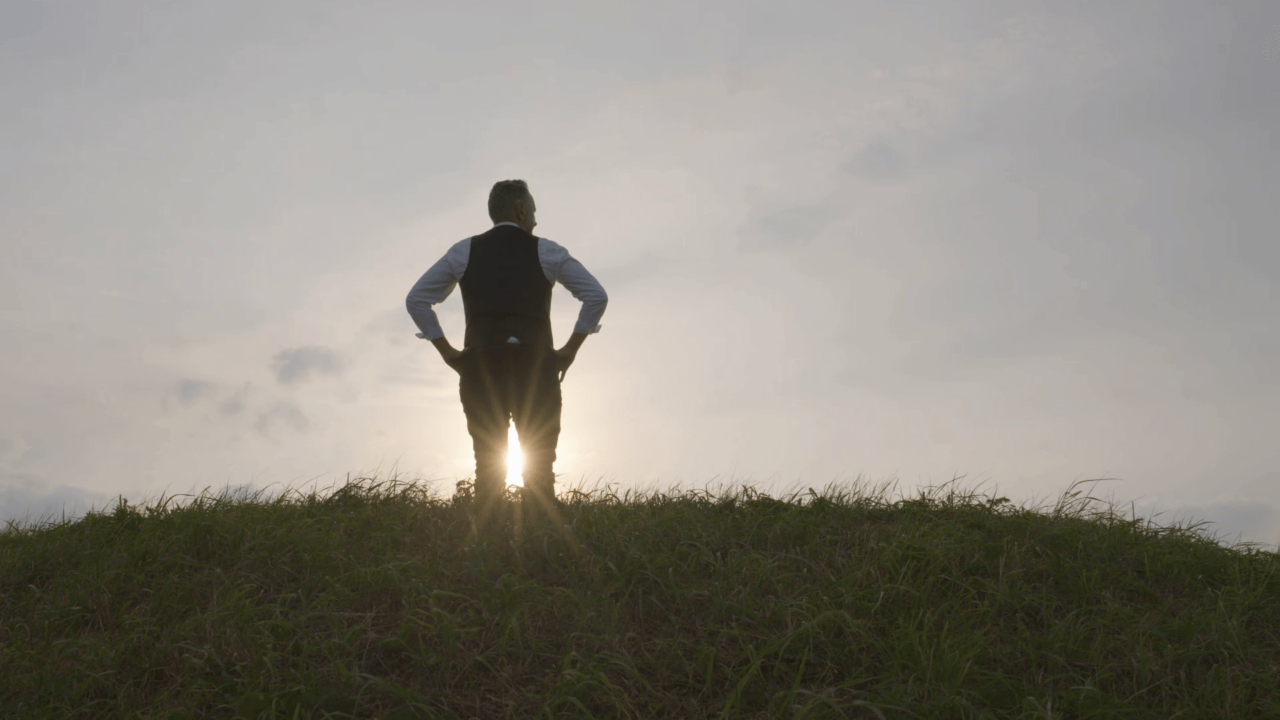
x: 377, y: 601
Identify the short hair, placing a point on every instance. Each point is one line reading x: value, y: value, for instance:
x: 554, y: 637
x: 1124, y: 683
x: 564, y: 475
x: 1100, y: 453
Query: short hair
x: 503, y: 198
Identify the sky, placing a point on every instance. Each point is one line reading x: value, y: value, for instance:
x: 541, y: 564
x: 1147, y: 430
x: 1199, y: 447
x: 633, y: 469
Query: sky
x: 1023, y: 244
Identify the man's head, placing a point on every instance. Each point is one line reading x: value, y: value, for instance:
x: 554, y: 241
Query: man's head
x: 510, y: 201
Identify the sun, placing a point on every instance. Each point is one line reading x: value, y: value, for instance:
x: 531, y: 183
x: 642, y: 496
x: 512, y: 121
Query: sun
x: 515, y: 459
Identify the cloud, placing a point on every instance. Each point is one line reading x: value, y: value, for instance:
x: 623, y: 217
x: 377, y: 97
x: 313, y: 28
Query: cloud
x: 24, y: 498
x: 188, y: 390
x: 12, y: 450
x: 296, y: 365
x: 643, y: 267
x: 235, y: 403
x: 285, y: 414
x: 791, y: 227
x: 1247, y: 512
x: 1249, y: 520
x: 877, y: 160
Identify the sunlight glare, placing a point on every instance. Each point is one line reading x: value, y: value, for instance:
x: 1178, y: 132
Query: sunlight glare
x: 515, y: 460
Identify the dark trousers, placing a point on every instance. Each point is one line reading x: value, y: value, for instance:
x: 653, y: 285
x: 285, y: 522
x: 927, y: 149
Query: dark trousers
x: 520, y: 383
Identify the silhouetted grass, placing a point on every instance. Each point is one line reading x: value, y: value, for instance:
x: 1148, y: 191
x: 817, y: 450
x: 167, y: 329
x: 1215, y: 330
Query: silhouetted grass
x: 376, y: 601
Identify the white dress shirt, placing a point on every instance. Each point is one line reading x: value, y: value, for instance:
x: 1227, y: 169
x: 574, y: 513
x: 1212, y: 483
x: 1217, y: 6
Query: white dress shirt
x: 558, y: 265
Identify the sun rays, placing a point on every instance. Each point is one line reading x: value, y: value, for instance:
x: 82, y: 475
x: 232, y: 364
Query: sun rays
x: 515, y: 459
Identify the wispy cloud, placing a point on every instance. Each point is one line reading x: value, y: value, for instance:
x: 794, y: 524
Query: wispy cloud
x: 790, y: 227
x: 25, y: 498
x: 298, y: 365
x: 283, y: 414
x: 236, y: 402
x: 188, y: 390
x: 878, y: 160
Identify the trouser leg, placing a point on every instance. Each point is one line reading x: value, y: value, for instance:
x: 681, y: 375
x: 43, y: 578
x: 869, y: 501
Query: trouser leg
x: 485, y: 390
x: 536, y: 413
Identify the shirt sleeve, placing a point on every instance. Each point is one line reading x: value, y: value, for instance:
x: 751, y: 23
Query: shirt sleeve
x: 436, y: 284
x: 559, y: 266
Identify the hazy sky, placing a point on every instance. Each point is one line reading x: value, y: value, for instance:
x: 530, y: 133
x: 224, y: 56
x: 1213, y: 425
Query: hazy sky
x: 1027, y: 243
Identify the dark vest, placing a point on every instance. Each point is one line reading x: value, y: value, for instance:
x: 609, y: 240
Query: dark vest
x: 504, y: 293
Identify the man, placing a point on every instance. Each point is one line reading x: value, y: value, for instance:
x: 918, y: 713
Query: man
x: 508, y: 367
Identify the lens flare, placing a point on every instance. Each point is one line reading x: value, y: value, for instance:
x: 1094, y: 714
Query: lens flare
x: 515, y: 460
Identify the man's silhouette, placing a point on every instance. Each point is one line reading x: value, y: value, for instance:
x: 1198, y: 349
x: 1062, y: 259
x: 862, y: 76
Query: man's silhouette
x: 508, y: 367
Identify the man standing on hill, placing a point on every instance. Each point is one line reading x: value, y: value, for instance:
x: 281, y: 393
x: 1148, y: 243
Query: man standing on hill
x: 508, y: 367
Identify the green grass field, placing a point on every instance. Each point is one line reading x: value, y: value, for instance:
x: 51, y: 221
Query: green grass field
x: 376, y: 600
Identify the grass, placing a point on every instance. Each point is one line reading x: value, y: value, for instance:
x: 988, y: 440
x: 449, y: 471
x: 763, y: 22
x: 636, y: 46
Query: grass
x: 375, y: 600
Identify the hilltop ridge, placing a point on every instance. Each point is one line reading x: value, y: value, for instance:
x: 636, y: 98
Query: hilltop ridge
x: 377, y: 600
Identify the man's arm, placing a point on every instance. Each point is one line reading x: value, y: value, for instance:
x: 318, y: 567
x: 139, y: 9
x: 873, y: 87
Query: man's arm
x: 566, y: 354
x: 447, y: 351
x: 432, y: 289
x: 565, y: 269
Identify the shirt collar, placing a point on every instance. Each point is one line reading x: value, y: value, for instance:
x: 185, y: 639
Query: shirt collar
x: 508, y: 222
